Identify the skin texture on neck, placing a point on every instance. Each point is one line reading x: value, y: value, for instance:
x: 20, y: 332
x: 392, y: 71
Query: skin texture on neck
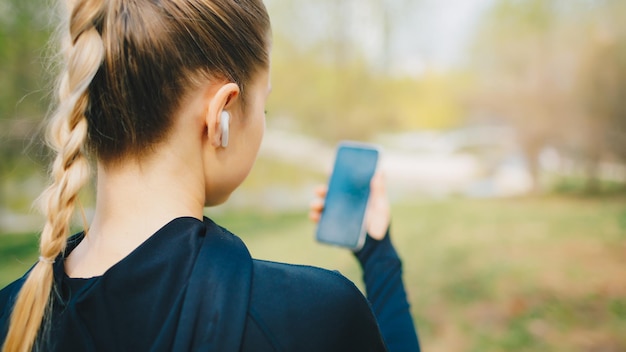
x: 179, y: 177
x: 134, y: 200
x: 137, y: 196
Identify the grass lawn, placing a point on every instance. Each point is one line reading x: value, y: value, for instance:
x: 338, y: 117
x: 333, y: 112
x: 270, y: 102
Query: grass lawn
x: 530, y: 274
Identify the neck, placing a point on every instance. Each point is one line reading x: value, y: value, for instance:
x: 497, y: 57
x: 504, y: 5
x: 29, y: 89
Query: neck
x: 134, y: 200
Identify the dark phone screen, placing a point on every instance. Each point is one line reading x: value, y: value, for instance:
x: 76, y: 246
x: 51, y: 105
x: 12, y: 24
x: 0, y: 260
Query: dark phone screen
x: 342, y: 221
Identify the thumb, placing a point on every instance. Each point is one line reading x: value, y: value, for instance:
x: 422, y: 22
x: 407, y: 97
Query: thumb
x: 378, y: 208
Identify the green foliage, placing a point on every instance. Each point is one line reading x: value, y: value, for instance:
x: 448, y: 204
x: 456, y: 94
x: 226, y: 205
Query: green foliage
x: 23, y: 100
x: 523, y: 16
x: 23, y: 34
x: 622, y: 223
x: 580, y: 186
x: 17, y: 254
x: 268, y: 173
x: 351, y: 101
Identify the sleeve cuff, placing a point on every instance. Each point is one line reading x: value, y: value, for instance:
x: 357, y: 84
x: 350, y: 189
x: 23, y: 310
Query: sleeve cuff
x: 383, y: 247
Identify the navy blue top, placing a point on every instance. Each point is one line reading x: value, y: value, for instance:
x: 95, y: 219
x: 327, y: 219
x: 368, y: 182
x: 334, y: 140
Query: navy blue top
x: 193, y: 286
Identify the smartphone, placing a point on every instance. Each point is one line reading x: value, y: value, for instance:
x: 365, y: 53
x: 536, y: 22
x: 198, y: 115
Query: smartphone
x: 342, y: 222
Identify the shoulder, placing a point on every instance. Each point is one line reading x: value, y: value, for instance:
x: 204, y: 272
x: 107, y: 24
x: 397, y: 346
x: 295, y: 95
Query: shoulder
x: 9, y: 293
x: 7, y: 299
x: 306, y: 284
x: 296, y: 304
x: 302, y: 274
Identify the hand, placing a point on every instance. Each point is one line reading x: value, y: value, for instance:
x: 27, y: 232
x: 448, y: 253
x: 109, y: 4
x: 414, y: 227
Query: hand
x: 377, y: 215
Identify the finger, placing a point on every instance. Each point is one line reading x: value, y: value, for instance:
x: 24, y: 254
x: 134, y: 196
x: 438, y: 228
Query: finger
x: 321, y: 190
x: 315, y: 216
x: 378, y: 212
x: 378, y: 182
x: 315, y: 209
x: 317, y: 205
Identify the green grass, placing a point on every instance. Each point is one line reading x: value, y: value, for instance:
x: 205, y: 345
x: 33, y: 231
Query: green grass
x: 17, y: 255
x: 530, y: 274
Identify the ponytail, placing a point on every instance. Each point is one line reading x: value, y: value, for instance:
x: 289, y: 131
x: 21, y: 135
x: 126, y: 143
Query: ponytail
x: 67, y: 133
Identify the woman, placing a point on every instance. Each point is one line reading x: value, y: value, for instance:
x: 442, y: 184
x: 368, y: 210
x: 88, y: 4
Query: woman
x: 167, y: 96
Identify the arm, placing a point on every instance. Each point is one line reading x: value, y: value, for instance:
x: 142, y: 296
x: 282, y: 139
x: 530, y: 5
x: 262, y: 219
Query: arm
x: 382, y: 270
x: 382, y: 274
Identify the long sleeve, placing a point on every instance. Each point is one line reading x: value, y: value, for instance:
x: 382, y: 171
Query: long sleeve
x: 382, y: 273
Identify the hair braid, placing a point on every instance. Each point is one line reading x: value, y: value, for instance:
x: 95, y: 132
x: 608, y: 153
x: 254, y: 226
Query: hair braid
x: 84, y: 53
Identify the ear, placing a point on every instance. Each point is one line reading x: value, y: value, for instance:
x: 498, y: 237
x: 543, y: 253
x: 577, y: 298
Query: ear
x: 225, y: 98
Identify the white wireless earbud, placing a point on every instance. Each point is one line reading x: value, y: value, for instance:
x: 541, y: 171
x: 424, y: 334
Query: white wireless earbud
x: 224, y: 126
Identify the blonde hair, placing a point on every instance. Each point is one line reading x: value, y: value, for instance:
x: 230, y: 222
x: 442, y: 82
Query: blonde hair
x: 127, y: 65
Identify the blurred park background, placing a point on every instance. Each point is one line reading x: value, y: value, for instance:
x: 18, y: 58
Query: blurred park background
x: 503, y: 124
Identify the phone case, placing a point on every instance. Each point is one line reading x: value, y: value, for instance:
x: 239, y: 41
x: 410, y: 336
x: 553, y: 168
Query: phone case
x: 343, y: 219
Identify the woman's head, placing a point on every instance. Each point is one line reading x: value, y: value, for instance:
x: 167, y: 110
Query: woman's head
x: 155, y: 52
x: 128, y: 67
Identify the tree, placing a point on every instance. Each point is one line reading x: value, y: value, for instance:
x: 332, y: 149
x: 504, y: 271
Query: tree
x: 555, y: 70
x: 522, y: 64
x: 601, y: 92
